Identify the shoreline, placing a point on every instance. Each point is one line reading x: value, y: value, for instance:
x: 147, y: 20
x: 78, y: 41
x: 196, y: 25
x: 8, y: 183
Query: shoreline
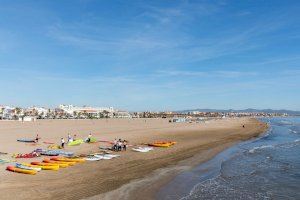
x: 149, y: 185
x: 94, y: 179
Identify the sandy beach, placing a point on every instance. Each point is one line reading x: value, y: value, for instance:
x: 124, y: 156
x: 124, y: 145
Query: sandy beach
x: 103, y: 179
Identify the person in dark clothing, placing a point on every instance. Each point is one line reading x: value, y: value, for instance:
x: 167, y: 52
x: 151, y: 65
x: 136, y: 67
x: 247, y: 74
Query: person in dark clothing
x: 37, y: 138
x: 62, y: 143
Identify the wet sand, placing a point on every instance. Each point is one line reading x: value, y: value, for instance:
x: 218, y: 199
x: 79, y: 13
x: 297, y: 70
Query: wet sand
x: 105, y: 178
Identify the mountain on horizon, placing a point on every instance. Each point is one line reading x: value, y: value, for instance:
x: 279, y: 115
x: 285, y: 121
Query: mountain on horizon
x: 250, y: 110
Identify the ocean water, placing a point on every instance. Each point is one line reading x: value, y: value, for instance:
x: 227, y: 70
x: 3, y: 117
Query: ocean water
x: 264, y: 168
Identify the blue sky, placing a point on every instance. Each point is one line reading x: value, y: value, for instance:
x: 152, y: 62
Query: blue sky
x: 151, y: 55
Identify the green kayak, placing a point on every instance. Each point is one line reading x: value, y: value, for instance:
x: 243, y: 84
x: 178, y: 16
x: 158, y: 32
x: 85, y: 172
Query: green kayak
x: 76, y: 142
x: 92, y: 140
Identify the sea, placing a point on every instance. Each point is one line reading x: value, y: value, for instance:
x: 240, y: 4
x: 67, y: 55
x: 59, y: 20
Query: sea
x: 267, y: 167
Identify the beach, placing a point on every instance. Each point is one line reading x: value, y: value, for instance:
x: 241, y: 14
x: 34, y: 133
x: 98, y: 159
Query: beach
x: 123, y: 176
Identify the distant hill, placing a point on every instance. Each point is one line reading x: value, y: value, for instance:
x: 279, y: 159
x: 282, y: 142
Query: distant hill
x: 250, y: 110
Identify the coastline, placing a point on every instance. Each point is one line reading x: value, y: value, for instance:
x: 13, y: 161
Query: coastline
x: 148, y: 186
x: 105, y: 179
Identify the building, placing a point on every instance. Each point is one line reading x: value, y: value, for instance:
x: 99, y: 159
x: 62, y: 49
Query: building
x: 122, y: 114
x: 74, y: 110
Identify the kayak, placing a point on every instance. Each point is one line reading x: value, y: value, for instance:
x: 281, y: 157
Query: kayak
x: 27, y: 155
x: 143, y: 149
x: 47, y: 153
x: 93, y: 158
x: 93, y: 140
x: 44, y: 167
x: 54, y: 146
x: 102, y: 157
x: 160, y: 145
x: 76, y: 142
x: 106, y: 156
x: 19, y: 165
x: 79, y: 160
x: 165, y: 142
x: 25, y: 140
x: 18, y: 170
x: 44, y: 164
x: 59, y: 162
x: 62, y: 165
x: 60, y: 152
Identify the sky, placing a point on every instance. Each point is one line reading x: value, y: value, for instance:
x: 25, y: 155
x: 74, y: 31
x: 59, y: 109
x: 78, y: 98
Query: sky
x: 151, y: 55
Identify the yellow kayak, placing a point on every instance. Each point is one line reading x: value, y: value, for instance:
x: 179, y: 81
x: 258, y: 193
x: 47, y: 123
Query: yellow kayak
x: 44, y: 167
x: 62, y: 165
x: 79, y: 160
x: 18, y: 170
x: 59, y: 162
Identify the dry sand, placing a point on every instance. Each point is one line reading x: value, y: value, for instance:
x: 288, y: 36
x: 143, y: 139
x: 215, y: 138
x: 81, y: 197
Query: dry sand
x: 90, y: 179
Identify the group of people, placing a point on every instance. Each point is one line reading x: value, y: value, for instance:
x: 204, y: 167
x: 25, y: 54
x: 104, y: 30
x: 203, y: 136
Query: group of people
x: 119, y: 145
x: 71, y: 139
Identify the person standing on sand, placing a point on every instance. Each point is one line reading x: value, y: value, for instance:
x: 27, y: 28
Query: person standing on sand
x: 89, y: 138
x: 115, y: 144
x: 62, y: 143
x: 124, y: 145
x: 74, y: 138
x: 37, y: 138
x: 120, y: 145
x: 69, y: 138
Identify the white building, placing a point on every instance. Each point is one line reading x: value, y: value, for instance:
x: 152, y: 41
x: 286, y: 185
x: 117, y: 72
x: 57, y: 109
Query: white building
x: 70, y: 109
x: 122, y: 114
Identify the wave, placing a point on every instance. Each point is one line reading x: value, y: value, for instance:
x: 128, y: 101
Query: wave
x: 260, y: 147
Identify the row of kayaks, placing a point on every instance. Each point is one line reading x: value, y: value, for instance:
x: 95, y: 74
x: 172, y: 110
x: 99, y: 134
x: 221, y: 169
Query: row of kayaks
x: 46, y: 164
x: 162, y: 144
x: 56, y: 163
x: 73, y: 143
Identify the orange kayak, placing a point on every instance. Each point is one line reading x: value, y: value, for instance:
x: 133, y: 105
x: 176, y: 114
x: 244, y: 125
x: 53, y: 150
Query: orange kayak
x: 160, y: 145
x: 18, y: 170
